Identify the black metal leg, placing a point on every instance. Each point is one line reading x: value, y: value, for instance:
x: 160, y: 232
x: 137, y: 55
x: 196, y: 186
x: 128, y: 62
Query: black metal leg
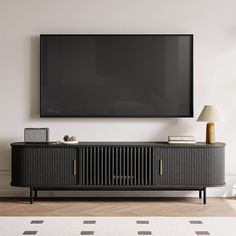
x: 204, y: 195
x: 200, y: 194
x: 31, y: 195
x: 35, y: 194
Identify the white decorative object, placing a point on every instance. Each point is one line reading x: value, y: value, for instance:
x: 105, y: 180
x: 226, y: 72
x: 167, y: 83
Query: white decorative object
x: 70, y: 142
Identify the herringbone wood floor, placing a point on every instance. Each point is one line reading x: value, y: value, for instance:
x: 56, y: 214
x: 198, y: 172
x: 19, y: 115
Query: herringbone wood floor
x: 150, y: 207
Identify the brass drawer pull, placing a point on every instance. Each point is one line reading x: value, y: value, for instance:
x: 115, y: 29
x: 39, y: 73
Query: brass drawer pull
x: 161, y: 167
x: 74, y: 167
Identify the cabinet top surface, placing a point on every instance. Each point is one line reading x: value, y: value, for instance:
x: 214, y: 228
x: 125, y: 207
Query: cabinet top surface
x: 81, y: 144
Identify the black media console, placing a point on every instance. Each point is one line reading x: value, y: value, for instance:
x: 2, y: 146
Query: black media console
x: 118, y: 166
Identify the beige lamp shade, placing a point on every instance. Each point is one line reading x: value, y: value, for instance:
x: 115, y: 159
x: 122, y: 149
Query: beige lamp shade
x: 210, y: 113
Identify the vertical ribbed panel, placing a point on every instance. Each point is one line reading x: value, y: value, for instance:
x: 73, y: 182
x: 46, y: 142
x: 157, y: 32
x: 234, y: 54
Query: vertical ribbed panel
x: 192, y: 166
x: 44, y: 166
x: 117, y: 166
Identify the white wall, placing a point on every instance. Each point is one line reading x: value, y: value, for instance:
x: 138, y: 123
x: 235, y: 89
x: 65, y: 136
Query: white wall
x: 213, y: 23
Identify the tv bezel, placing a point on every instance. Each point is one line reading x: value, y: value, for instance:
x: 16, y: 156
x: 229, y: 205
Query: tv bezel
x: 191, y: 115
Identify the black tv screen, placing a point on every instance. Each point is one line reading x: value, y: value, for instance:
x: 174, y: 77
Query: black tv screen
x: 116, y: 75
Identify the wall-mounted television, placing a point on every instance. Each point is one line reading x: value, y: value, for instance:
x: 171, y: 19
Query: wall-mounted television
x: 116, y: 75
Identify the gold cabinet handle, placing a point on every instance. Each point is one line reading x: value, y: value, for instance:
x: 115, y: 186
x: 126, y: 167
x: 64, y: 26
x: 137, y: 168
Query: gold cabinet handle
x: 74, y: 167
x: 161, y: 167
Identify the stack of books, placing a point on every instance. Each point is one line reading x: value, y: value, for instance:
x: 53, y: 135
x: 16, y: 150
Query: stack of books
x: 181, y: 139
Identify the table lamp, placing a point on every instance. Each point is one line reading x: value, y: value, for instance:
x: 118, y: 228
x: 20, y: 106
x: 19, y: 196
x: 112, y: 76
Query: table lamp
x: 210, y: 114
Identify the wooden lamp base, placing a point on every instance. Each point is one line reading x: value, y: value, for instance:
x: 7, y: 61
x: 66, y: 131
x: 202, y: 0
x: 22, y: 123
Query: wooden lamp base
x: 210, y: 133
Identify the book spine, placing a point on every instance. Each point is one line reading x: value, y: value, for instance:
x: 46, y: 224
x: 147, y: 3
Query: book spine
x: 181, y: 142
x: 181, y: 138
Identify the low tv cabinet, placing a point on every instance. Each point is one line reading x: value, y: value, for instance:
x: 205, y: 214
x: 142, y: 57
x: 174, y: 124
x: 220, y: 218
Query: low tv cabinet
x: 139, y: 166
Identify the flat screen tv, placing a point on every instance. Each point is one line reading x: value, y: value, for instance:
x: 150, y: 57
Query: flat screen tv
x: 116, y: 75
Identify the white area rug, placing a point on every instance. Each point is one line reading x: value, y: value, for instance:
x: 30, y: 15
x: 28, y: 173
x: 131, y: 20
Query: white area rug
x: 118, y: 226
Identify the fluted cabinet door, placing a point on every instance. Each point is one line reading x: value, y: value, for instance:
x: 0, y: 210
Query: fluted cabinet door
x: 44, y: 166
x: 191, y: 166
